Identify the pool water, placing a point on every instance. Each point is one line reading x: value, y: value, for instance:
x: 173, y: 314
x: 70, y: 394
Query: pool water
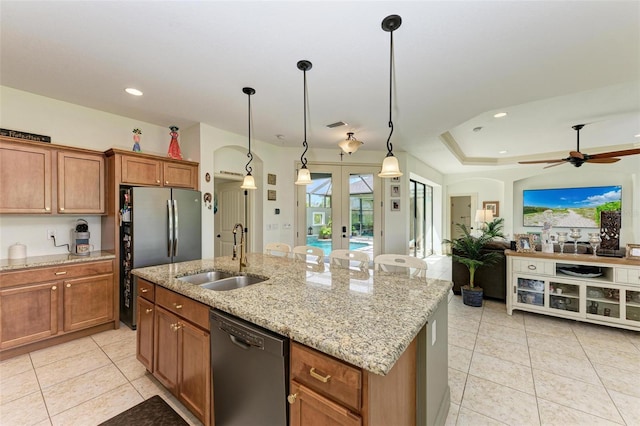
x: 326, y: 245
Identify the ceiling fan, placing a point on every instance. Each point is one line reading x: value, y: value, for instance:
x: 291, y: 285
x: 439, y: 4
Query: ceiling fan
x: 578, y: 159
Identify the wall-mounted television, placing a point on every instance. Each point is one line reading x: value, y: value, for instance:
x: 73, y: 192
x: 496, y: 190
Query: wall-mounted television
x: 569, y: 207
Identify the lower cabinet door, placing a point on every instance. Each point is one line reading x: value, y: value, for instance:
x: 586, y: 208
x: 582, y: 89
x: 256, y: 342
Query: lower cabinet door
x: 195, y: 370
x: 144, y: 334
x: 311, y: 409
x: 88, y: 302
x: 28, y: 314
x: 165, y: 348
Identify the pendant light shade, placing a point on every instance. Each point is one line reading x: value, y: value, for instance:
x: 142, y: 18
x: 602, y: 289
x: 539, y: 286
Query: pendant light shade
x: 390, y: 166
x: 249, y: 182
x: 350, y: 144
x: 304, y: 176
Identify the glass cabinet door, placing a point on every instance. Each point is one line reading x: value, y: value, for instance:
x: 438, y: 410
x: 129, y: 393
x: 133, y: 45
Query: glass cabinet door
x: 603, y: 301
x: 633, y: 304
x: 564, y: 296
x: 530, y: 291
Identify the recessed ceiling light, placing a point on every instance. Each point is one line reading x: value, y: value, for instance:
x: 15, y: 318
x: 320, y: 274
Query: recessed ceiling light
x: 638, y: 135
x: 500, y: 115
x: 504, y: 151
x: 132, y: 91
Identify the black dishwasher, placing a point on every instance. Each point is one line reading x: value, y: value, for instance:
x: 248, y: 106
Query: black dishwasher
x: 250, y: 369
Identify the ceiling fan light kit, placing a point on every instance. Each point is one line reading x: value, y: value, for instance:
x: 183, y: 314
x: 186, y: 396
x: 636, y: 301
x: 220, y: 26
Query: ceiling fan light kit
x: 578, y: 158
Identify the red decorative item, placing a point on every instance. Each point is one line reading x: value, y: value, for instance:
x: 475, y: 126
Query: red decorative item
x: 174, y: 146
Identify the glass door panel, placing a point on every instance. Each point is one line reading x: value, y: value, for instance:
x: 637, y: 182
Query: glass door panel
x: 530, y: 291
x: 564, y: 296
x: 603, y: 301
x: 633, y: 305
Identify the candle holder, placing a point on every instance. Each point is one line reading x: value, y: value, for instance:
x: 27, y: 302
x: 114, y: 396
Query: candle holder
x: 575, y: 236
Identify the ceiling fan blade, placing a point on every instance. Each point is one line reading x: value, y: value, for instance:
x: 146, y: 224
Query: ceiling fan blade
x: 542, y: 161
x: 576, y: 154
x: 552, y: 165
x: 602, y: 160
x: 616, y: 153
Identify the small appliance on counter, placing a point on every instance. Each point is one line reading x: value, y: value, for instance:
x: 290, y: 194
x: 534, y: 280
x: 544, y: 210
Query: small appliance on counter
x: 17, y: 251
x: 80, y: 238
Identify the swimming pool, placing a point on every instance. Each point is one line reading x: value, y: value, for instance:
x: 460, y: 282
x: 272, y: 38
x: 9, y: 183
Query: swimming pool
x: 312, y: 240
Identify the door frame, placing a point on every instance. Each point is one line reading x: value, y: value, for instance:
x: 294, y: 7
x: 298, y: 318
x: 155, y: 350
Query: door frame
x: 250, y: 238
x: 473, y: 201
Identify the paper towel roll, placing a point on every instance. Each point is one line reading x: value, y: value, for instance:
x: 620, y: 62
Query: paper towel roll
x: 17, y: 251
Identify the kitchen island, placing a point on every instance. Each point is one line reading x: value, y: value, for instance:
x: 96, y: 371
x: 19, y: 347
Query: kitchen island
x: 365, y: 319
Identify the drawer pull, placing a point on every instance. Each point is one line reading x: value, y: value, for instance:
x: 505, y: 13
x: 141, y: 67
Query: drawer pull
x: 323, y: 379
x: 148, y: 310
x: 60, y: 273
x: 292, y: 398
x: 68, y: 285
x: 177, y: 306
x: 532, y: 267
x: 144, y: 290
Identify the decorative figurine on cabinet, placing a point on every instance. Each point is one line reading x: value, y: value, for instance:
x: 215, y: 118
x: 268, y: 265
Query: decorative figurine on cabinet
x: 136, y: 139
x: 174, y: 147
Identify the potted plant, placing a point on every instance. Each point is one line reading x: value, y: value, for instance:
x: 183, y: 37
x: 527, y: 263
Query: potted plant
x: 468, y: 250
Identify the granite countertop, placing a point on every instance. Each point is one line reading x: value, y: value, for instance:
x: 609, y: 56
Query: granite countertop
x: 52, y: 260
x: 364, y: 318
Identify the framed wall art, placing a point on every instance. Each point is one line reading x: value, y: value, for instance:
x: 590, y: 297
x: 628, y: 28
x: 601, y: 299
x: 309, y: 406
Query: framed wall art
x: 494, y: 206
x: 395, y: 205
x: 271, y: 195
x: 271, y: 179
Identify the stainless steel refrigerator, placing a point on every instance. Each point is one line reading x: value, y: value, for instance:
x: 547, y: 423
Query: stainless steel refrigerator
x: 159, y: 226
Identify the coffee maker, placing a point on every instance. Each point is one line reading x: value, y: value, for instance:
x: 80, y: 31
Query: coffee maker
x: 80, y: 238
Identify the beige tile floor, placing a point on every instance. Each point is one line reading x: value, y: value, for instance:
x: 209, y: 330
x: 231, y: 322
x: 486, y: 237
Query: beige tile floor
x: 515, y: 370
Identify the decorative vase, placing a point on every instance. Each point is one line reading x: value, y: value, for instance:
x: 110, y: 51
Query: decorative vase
x: 174, y: 146
x: 472, y: 296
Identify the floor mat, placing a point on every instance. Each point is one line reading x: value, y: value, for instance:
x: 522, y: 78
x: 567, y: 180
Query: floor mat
x: 152, y: 412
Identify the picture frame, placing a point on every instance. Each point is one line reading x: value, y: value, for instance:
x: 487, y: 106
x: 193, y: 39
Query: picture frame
x: 395, y: 204
x: 537, y: 237
x: 494, y: 206
x: 395, y: 190
x: 525, y: 243
x: 317, y: 218
x: 271, y: 179
x: 633, y: 251
x: 395, y: 179
x: 271, y: 195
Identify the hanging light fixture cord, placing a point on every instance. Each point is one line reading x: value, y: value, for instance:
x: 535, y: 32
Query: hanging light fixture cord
x: 389, y: 144
x: 249, y: 91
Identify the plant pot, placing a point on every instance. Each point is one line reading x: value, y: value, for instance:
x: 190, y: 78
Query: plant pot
x: 472, y: 296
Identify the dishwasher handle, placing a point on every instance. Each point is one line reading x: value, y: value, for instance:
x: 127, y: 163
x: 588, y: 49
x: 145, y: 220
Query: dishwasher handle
x: 239, y: 342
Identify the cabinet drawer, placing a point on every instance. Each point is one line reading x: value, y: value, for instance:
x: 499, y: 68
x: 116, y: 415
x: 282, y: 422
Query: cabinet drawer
x: 61, y: 272
x: 628, y: 275
x: 182, y: 306
x: 146, y: 289
x: 531, y: 266
x: 328, y: 376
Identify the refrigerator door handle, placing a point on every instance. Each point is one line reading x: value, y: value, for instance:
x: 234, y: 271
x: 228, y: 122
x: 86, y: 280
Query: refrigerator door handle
x: 170, y: 230
x: 175, y: 233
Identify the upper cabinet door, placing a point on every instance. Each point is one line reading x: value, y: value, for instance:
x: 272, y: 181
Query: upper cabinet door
x: 81, y: 183
x: 180, y: 175
x: 141, y: 171
x: 25, y: 179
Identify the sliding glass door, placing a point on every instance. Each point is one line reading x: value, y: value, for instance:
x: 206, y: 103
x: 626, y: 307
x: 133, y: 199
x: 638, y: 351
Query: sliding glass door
x: 420, y: 219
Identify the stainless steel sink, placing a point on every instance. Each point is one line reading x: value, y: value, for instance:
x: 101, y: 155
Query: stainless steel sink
x: 206, y: 277
x: 232, y: 283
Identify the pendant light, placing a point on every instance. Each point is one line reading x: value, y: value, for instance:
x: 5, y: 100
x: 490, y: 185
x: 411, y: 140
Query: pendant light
x: 249, y: 182
x: 390, y: 166
x: 304, y: 176
x: 350, y: 144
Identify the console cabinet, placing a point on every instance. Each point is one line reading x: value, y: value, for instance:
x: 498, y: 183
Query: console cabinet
x: 582, y: 287
x: 45, y: 305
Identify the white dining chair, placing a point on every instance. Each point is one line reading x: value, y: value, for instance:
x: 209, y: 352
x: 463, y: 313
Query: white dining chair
x: 306, y: 253
x: 348, y: 258
x: 277, y: 249
x: 395, y: 262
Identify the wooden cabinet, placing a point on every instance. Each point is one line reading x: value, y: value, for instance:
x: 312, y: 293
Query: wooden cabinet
x: 25, y: 178
x: 138, y: 170
x: 581, y: 287
x: 52, y: 304
x: 180, y: 175
x: 325, y: 390
x: 178, y: 351
x: 149, y: 170
x: 50, y: 179
x: 81, y: 183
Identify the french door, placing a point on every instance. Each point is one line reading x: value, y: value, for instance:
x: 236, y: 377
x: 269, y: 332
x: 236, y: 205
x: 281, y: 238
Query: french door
x: 338, y: 210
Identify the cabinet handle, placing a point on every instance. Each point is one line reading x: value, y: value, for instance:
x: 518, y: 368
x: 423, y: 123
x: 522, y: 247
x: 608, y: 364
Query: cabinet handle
x: 60, y: 273
x: 144, y: 290
x: 177, y: 306
x: 323, y: 379
x: 148, y: 310
x: 68, y: 285
x: 532, y: 267
x: 292, y: 398
x: 54, y: 288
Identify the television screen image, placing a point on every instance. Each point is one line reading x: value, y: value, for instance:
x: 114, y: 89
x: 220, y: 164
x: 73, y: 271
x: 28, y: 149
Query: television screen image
x: 570, y: 207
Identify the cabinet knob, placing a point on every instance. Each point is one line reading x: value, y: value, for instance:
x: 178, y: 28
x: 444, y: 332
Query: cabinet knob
x: 177, y: 326
x: 68, y: 285
x: 148, y: 310
x: 46, y: 209
x: 177, y: 306
x: 157, y: 180
x: 61, y: 209
x: 54, y: 288
x: 166, y: 182
x: 292, y: 398
x: 144, y: 290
